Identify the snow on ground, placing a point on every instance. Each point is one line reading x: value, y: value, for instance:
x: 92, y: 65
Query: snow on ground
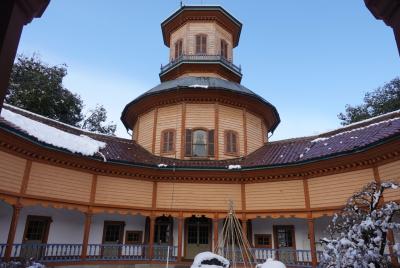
x: 207, y: 260
x: 77, y: 144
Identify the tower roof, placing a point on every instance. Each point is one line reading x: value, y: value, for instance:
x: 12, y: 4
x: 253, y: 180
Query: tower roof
x: 201, y: 13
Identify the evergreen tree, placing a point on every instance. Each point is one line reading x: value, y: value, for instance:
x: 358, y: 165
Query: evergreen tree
x: 37, y: 87
x: 380, y: 101
x: 95, y: 120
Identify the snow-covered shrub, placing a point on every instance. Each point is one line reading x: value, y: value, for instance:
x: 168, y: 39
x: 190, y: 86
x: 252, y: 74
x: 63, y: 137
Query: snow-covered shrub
x: 209, y: 260
x: 270, y: 263
x: 358, y: 235
x: 17, y: 264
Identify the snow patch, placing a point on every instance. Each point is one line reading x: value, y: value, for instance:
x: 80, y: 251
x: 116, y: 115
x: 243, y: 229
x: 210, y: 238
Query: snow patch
x: 234, y: 167
x: 76, y: 144
x: 162, y: 165
x: 199, y: 86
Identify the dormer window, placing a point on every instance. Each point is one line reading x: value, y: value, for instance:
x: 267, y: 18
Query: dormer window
x: 168, y: 141
x: 178, y: 48
x: 231, y: 142
x: 201, y: 44
x: 224, y: 49
x: 199, y: 143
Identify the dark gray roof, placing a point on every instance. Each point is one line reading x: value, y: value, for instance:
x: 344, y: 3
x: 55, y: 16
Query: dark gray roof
x: 203, y: 84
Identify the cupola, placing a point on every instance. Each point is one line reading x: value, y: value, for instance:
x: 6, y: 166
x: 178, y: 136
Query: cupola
x: 201, y: 41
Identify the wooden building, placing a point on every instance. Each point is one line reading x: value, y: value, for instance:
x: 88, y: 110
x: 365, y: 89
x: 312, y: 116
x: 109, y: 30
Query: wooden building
x: 199, y: 141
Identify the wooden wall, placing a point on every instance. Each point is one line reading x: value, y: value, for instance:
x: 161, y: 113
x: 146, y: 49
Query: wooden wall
x: 11, y: 172
x: 198, y: 195
x: 214, y: 33
x: 201, y: 115
x: 145, y: 130
x: 56, y: 182
x: 390, y: 172
x: 275, y: 195
x: 334, y: 190
x: 123, y: 191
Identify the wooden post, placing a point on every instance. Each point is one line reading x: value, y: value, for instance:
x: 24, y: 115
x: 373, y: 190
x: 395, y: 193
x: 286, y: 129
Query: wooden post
x: 215, y: 232
x: 11, y: 233
x: 393, y: 257
x: 312, y: 242
x: 86, y: 232
x: 180, y: 235
x: 151, y: 236
x: 244, y: 226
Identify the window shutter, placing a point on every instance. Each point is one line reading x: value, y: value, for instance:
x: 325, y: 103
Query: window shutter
x: 204, y: 44
x: 171, y: 139
x: 198, y: 41
x: 234, y: 143
x: 211, y: 142
x: 188, y: 142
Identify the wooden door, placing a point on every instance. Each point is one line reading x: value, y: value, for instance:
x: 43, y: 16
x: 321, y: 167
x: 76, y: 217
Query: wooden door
x: 112, y: 238
x: 35, y: 237
x: 197, y: 237
x: 284, y: 238
x: 163, y: 236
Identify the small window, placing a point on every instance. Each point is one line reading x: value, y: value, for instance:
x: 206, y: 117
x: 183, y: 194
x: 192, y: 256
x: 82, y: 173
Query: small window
x: 178, y: 48
x: 133, y: 237
x: 168, y: 141
x: 263, y: 240
x: 199, y: 143
x: 201, y: 44
x: 224, y: 49
x: 231, y: 142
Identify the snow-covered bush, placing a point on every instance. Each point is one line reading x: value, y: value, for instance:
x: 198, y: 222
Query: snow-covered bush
x: 17, y: 264
x: 270, y: 263
x: 358, y: 235
x: 209, y: 260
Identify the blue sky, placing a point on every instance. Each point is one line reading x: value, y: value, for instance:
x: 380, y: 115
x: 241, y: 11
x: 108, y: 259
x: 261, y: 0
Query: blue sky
x: 308, y: 58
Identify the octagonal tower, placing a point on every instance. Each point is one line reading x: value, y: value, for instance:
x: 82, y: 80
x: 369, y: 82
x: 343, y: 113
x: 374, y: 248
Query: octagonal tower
x: 200, y: 111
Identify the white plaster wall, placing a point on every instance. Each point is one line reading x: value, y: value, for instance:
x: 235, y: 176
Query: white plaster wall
x: 66, y: 226
x: 265, y: 226
x: 5, y: 221
x: 132, y: 223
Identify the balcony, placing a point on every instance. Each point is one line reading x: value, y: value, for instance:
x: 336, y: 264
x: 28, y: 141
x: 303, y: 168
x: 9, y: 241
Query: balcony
x: 201, y: 59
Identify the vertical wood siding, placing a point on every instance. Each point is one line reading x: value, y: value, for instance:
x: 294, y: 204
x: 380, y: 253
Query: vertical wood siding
x: 275, y: 195
x: 122, y: 191
x: 391, y: 172
x: 198, y: 195
x: 334, y: 190
x: 11, y: 172
x: 56, y: 182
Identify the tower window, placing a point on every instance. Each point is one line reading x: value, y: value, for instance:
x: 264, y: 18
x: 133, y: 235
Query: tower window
x: 178, y: 48
x: 201, y: 44
x: 168, y: 141
x: 224, y: 49
x: 199, y: 143
x: 231, y: 142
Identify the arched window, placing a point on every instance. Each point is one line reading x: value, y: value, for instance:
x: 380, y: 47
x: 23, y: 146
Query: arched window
x: 231, y: 142
x: 224, y: 49
x: 167, y: 141
x: 178, y: 48
x: 201, y: 44
x: 199, y: 143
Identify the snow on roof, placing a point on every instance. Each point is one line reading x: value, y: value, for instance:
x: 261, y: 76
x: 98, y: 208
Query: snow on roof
x: 234, y: 167
x: 359, y: 128
x: 199, y: 86
x: 77, y: 144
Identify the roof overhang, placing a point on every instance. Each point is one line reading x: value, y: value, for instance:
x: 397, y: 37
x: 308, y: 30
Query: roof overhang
x: 179, y: 94
x: 201, y: 13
